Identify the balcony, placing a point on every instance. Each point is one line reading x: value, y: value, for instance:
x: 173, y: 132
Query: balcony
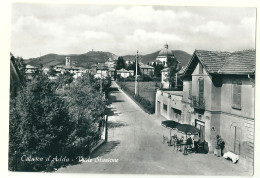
x: 198, y: 103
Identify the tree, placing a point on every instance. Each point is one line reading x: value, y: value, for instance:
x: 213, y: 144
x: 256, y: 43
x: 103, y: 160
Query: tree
x: 39, y: 120
x: 86, y: 105
x: 157, y: 69
x: 120, y: 63
x: 64, y: 79
x: 173, y: 67
x: 52, y: 71
x: 133, y: 67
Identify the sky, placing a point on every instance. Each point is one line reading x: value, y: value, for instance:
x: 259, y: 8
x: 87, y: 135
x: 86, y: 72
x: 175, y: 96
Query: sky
x: 39, y: 29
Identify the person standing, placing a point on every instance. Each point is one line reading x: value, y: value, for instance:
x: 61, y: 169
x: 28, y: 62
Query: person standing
x: 196, y: 139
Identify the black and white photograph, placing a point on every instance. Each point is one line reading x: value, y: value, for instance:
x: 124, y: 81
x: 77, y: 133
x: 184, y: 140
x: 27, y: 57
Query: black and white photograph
x: 132, y: 89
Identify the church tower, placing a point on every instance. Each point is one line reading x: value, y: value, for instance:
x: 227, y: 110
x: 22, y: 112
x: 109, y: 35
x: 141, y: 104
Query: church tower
x: 67, y: 63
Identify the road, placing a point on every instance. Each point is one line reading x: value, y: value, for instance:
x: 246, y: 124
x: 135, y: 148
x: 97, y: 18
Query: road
x: 135, y: 139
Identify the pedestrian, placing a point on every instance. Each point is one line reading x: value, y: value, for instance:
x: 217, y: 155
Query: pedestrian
x: 196, y: 139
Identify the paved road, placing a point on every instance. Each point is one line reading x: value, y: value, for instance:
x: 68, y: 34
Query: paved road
x: 135, y: 140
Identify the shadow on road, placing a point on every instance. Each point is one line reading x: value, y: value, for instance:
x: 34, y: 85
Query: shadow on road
x: 110, y: 112
x: 105, y: 149
x: 118, y: 124
x: 113, y: 89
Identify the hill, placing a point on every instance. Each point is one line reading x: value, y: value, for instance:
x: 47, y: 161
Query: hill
x: 182, y: 56
x: 80, y: 60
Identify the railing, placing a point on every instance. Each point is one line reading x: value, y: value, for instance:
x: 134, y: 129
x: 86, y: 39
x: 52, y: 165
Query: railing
x: 198, y: 102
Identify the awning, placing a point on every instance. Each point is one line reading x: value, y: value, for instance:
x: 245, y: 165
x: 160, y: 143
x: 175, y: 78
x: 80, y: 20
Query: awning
x: 187, y: 129
x: 170, y: 124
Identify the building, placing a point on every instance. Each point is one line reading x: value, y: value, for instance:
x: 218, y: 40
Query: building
x: 77, y: 71
x: 111, y: 72
x: 155, y: 62
x: 125, y: 73
x: 217, y: 98
x: 29, y: 69
x: 146, y: 69
x: 102, y: 72
x: 165, y: 54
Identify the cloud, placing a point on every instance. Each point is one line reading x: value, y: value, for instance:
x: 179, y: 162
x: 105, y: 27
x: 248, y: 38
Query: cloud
x: 213, y: 28
x: 124, y: 29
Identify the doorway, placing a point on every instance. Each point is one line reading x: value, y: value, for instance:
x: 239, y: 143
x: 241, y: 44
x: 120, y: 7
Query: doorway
x: 201, y: 126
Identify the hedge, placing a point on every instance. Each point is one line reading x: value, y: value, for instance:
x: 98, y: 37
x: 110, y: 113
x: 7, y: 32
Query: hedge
x: 144, y: 103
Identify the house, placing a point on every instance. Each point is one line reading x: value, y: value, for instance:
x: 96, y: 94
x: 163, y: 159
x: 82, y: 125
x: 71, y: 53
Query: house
x: 29, y: 69
x: 125, y: 73
x: 217, y: 98
x: 146, y: 69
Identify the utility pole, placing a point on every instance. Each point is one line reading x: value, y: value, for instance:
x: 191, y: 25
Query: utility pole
x: 136, y: 87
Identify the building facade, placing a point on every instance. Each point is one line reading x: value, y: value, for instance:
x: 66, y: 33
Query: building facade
x: 125, y: 73
x: 217, y: 98
x: 146, y: 69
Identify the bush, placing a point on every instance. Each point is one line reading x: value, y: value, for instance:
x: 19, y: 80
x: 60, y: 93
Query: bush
x: 146, y: 78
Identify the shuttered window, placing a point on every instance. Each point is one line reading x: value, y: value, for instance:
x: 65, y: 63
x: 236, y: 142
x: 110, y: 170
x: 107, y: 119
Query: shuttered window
x: 236, y: 95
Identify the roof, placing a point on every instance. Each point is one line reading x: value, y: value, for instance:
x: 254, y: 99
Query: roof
x: 30, y: 67
x: 216, y: 62
x: 124, y: 71
x: 165, y: 51
x: 164, y: 70
x: 146, y: 66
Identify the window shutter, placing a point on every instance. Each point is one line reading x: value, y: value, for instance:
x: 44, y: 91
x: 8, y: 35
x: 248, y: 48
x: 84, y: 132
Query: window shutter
x: 201, y: 89
x: 237, y: 95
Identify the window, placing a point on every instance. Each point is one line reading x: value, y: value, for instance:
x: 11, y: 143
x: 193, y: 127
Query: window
x: 200, y: 68
x: 176, y: 115
x: 236, y: 95
x: 165, y: 107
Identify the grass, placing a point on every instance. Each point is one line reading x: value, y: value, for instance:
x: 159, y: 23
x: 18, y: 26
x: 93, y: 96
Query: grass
x: 147, y: 90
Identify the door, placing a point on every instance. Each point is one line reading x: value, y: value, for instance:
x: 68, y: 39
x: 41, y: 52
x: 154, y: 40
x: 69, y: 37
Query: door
x: 201, y: 126
x: 235, y: 138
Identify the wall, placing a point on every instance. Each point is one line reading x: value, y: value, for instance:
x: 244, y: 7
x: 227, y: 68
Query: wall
x: 174, y: 102
x: 186, y: 85
x: 164, y: 81
x: 247, y: 97
x: 207, y: 86
x: 244, y: 136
